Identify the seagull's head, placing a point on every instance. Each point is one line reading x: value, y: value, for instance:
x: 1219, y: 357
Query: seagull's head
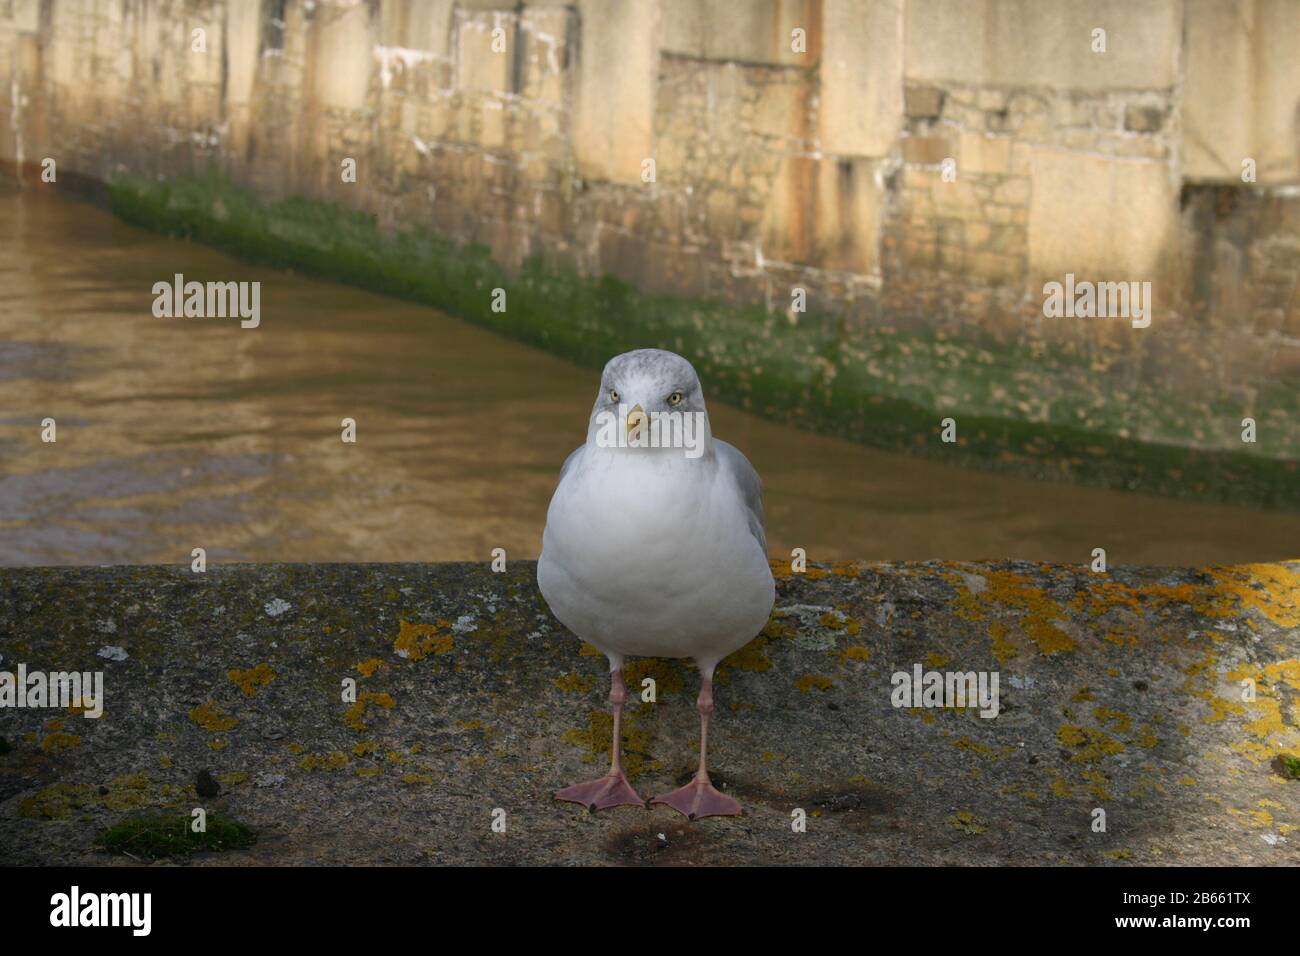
x: 640, y: 385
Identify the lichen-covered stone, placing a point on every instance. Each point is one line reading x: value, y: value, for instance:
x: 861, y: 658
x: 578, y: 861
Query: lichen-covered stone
x: 1170, y: 698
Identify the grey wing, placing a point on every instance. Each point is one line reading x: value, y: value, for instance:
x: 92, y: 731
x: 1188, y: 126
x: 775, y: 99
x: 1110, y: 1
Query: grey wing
x: 749, y: 485
x: 568, y: 462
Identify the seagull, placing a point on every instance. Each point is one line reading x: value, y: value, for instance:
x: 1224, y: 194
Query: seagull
x: 655, y: 546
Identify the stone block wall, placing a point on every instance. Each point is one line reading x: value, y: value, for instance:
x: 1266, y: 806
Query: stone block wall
x: 742, y: 149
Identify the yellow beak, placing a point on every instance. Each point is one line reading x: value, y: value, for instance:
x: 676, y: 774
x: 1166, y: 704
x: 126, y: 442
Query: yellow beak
x: 635, y: 420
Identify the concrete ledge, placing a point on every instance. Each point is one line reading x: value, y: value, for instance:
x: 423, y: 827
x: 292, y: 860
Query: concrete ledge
x: 1119, y: 691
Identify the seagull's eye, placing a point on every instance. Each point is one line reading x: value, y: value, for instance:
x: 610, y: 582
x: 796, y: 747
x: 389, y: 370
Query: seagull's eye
x: 613, y: 395
x: 675, y: 398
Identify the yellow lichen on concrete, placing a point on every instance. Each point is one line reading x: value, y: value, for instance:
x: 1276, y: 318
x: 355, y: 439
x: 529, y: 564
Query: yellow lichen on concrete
x: 1270, y: 675
x: 667, y: 675
x: 596, y: 737
x: 574, y: 683
x: 1007, y: 589
x: 417, y: 641
x: 1122, y: 722
x: 57, y: 801
x: 1270, y: 720
x: 1256, y: 818
x: 974, y: 746
x: 1003, y: 649
x: 777, y: 628
x: 1146, y: 738
x: 130, y: 790
x: 1096, y: 784
x: 356, y: 714
x: 253, y: 678
x: 751, y: 657
x: 1091, y: 744
x: 334, y: 760
x: 367, y: 668
x: 56, y: 742
x: 809, y: 682
x: 1253, y: 751
x: 1104, y: 596
x: 784, y: 569
x: 1270, y: 735
x: 1070, y: 735
x: 966, y: 822
x: 1287, y: 672
x: 1271, y: 590
x: 210, y: 717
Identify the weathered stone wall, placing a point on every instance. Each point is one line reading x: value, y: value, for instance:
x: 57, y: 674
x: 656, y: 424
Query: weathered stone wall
x: 778, y: 164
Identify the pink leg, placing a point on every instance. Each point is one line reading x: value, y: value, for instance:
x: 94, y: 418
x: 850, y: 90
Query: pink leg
x: 611, y: 790
x: 699, y: 798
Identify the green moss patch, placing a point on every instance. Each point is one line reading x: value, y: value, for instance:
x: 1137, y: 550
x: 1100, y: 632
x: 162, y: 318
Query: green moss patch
x: 159, y: 836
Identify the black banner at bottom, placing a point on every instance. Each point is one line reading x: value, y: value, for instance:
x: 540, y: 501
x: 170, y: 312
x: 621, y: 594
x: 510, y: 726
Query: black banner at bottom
x: 338, y: 905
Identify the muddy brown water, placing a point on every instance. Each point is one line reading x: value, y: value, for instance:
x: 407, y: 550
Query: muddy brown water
x: 177, y: 433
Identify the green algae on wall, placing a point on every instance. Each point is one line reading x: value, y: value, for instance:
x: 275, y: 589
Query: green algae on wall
x: 878, y: 387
